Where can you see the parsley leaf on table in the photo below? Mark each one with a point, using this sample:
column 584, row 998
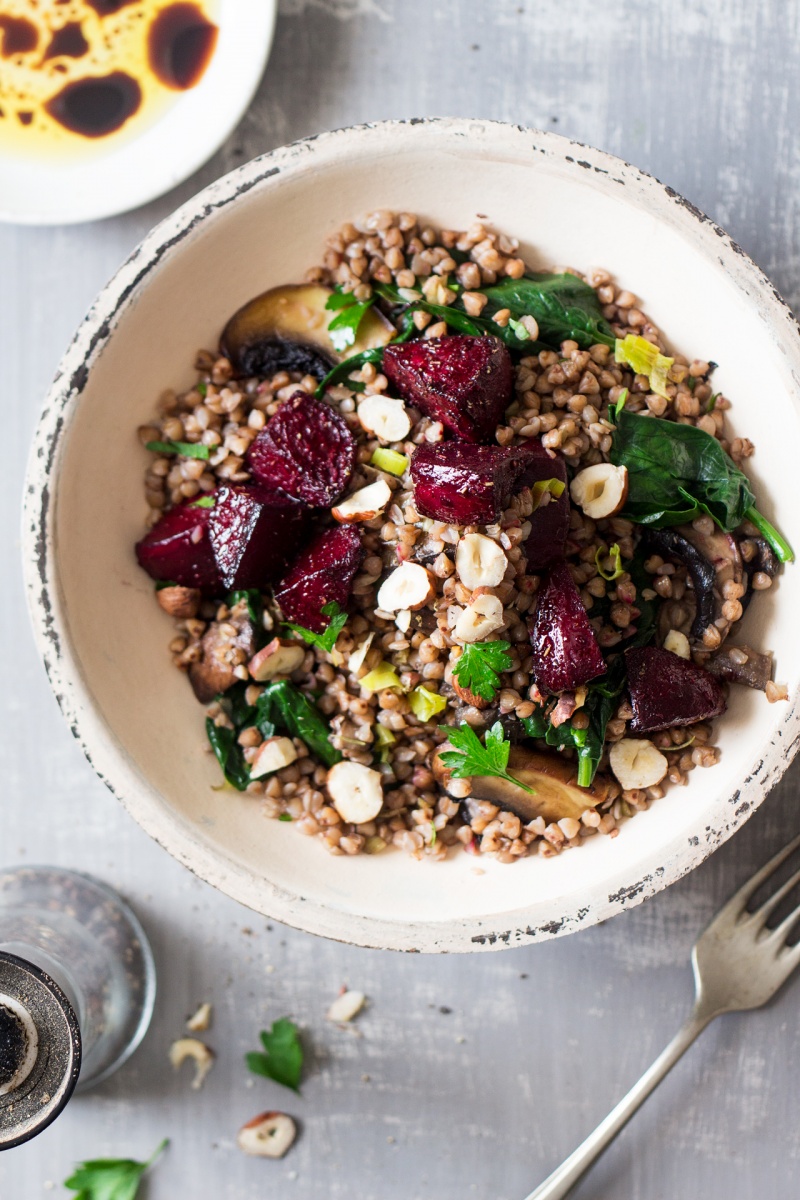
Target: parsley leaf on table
column 110, row 1178
column 282, row 1059
column 472, row 757
column 327, row 640
column 185, row 449
column 478, row 669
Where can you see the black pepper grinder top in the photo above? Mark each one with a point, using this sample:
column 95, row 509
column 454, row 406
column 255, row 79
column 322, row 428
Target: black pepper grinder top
column 40, row 1050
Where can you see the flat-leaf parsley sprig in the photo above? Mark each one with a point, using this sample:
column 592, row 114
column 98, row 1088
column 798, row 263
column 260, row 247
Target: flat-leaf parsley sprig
column 470, row 756
column 282, row 1057
column 479, row 667
column 337, row 619
column 110, row 1178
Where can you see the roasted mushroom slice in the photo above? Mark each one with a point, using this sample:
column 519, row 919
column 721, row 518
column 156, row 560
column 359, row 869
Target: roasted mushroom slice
column 757, row 555
column 553, row 779
column 741, row 664
column 224, row 645
column 671, row 544
column 286, row 329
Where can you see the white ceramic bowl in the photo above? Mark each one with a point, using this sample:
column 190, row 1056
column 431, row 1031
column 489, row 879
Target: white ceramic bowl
column 103, row 639
column 138, row 166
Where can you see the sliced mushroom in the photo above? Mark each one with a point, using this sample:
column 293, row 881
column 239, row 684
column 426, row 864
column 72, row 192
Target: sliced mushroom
column 757, row 555
column 214, row 670
column 286, row 329
column 553, row 779
column 741, row 664
column 670, row 543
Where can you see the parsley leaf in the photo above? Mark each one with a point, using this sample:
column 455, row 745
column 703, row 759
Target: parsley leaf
column 282, row 1058
column 327, row 640
column 350, row 312
column 110, row 1178
column 478, row 669
column 203, row 502
column 185, row 449
column 471, row 757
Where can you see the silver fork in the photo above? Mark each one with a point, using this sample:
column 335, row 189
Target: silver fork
column 738, row 964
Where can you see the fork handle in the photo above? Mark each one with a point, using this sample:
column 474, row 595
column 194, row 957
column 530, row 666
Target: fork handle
column 563, row 1180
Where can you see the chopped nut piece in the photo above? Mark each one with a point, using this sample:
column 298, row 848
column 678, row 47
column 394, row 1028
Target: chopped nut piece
column 637, row 763
column 356, row 791
column 346, row 1006
column 199, row 1052
column 480, row 562
column 387, row 419
column 279, row 657
column 600, row 490
column 480, row 618
column 408, row 586
column 272, row 755
column 268, row 1135
column 677, row 643
column 200, row 1021
column 363, row 505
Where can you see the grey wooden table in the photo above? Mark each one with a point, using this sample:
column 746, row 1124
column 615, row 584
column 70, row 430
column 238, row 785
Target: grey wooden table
column 468, row 1076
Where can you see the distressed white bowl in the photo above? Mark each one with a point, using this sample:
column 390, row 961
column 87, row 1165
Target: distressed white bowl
column 103, row 639
column 136, row 167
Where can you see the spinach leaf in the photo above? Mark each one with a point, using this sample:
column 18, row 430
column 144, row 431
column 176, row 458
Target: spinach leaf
column 185, row 449
column 229, row 754
column 282, row 705
column 677, row 472
column 600, row 704
column 564, row 306
column 255, row 603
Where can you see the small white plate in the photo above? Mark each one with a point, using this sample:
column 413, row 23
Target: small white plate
column 136, row 170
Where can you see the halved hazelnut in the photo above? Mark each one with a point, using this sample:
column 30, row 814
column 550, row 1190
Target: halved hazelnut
column 365, row 504
column 637, row 763
column 480, row 562
column 178, row 601
column 384, row 417
column 272, row 755
column 279, row 657
column 268, row 1135
column 408, row 586
column 356, row 791
column 481, row 617
column 600, row 490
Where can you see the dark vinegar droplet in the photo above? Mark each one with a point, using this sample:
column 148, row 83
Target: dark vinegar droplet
column 179, row 45
column 96, row 107
column 19, row 36
column 13, row 1045
column 67, row 42
column 25, row 118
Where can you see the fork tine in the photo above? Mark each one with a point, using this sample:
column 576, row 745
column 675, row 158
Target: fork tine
column 760, row 917
column 779, row 934
column 736, row 905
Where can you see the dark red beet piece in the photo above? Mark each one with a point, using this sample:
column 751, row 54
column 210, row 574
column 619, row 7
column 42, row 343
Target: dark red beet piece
column 666, row 690
column 179, row 549
column 550, row 523
column 565, row 649
column 322, row 573
column 306, row 450
column 464, row 382
column 253, row 533
column 469, row 485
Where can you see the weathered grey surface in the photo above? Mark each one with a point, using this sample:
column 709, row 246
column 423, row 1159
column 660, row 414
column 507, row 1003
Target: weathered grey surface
column 485, row 1071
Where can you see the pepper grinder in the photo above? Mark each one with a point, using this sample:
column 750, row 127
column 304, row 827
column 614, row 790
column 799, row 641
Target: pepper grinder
column 77, row 988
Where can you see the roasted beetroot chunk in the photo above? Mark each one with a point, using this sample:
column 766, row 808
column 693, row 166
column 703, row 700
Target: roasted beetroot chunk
column 178, row 549
column 322, row 573
column 306, row 450
column 550, row 522
column 470, row 485
column 565, row 649
column 253, row 533
column 666, row 690
column 464, row 382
